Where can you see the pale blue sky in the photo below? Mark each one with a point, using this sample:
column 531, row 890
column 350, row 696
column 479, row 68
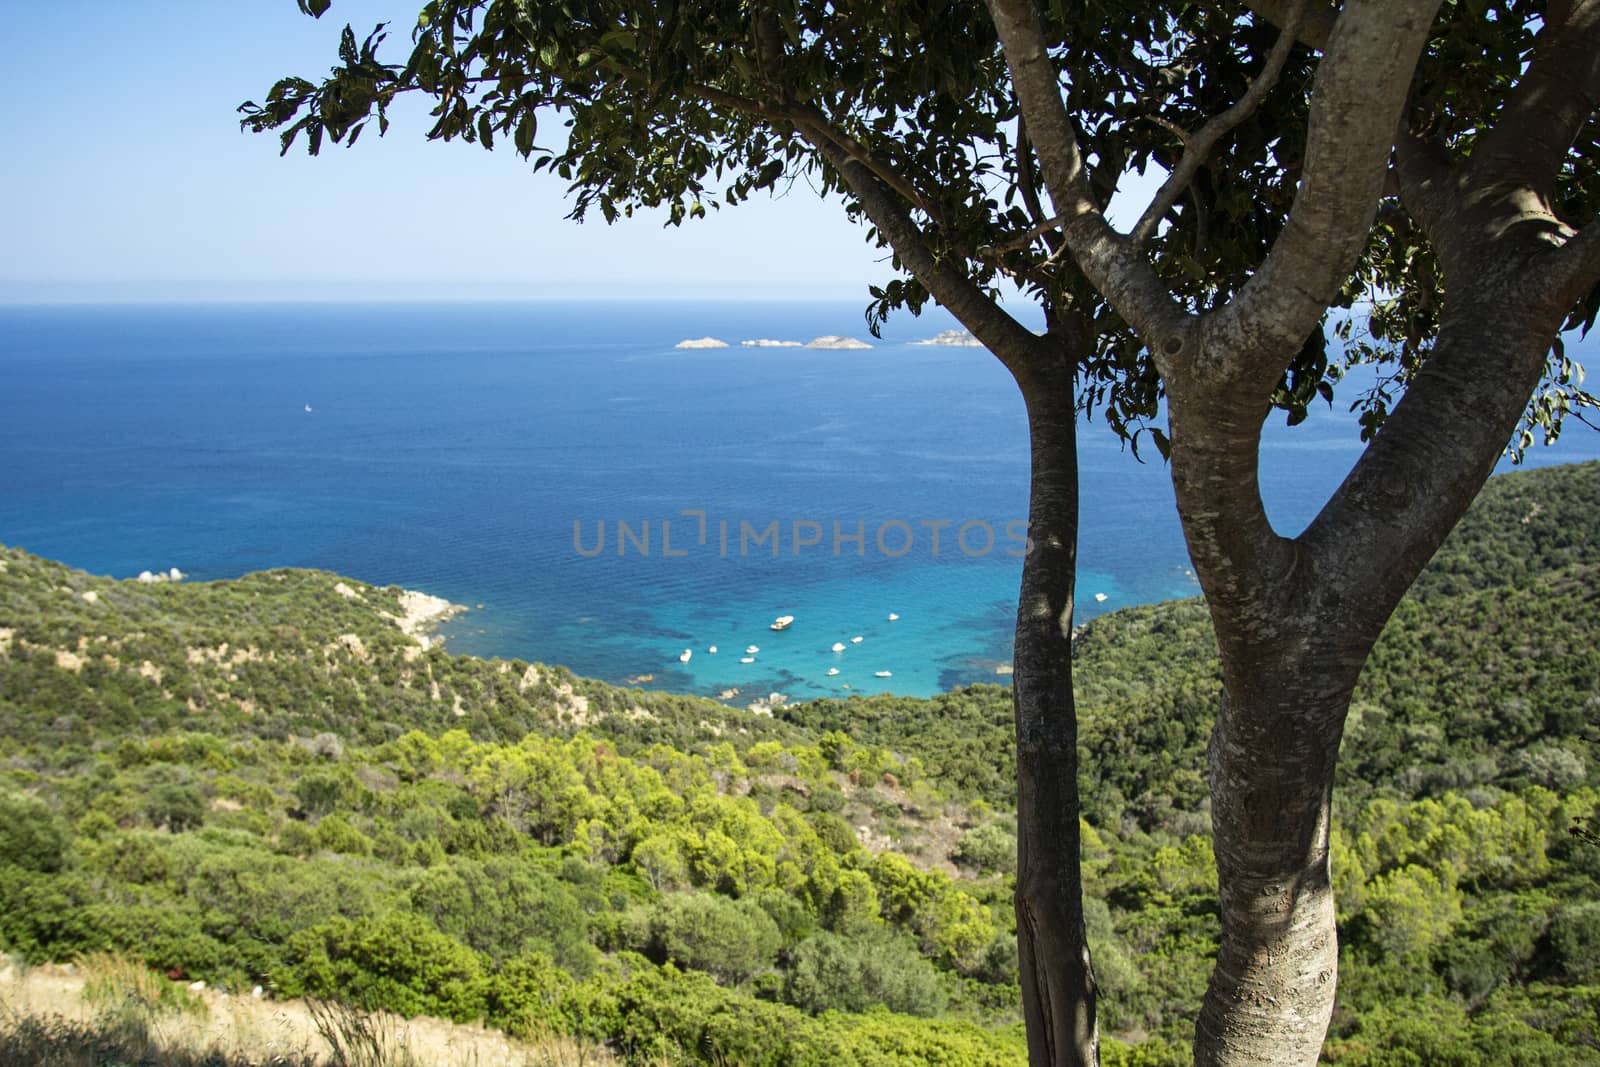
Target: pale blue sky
column 125, row 176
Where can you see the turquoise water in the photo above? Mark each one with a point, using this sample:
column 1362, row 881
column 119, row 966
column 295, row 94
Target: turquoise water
column 455, row 448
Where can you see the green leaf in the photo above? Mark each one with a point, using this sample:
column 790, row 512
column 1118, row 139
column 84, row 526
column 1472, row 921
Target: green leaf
column 1163, row 445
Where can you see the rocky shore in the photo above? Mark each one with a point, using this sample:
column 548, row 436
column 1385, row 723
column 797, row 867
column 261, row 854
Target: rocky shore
column 420, row 613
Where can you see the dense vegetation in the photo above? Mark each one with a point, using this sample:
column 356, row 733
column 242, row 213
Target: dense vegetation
column 265, row 781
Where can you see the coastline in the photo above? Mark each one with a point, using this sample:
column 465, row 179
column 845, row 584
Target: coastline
column 423, row 613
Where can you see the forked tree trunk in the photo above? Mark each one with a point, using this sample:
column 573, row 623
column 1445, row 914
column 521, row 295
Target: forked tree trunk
column 1058, row 987
column 1289, row 666
column 1296, row 621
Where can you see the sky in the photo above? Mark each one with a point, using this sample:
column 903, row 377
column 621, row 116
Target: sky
column 125, row 177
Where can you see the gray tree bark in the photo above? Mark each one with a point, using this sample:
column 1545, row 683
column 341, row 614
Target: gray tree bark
column 1287, row 673
column 1294, row 634
column 1296, row 618
column 1058, row 986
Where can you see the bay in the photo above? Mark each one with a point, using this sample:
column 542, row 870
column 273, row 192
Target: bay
column 480, row 451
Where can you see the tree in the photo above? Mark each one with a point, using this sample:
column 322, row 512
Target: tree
column 662, row 102
column 1484, row 153
column 1286, row 128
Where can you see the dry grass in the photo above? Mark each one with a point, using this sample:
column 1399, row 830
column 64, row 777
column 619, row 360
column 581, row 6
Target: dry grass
column 108, row 1012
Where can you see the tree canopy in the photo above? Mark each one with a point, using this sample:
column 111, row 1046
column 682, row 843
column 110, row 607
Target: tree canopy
column 904, row 110
column 908, row 108
column 1419, row 175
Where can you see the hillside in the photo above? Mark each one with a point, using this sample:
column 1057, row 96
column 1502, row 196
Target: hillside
column 267, row 781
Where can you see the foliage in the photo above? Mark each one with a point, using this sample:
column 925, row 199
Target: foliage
column 713, row 898
column 832, row 973
column 397, row 961
column 731, row 940
column 31, row 836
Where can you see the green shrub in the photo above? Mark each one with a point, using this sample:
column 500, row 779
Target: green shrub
column 832, row 973
column 320, row 791
column 504, row 907
column 1575, row 939
column 528, row 996
column 833, row 831
column 398, row 962
column 992, row 847
column 177, row 807
column 336, row 835
column 31, row 835
column 734, row 940
column 295, row 838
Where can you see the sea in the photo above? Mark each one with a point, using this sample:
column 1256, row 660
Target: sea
column 597, row 497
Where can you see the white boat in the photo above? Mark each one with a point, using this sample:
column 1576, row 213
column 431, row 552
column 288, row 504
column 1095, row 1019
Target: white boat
column 1100, row 598
column 882, row 674
column 856, row 640
column 712, row 650
column 838, row 646
column 893, row 617
column 684, row 656
column 748, row 659
column 832, row 671
column 783, row 622
column 308, row 409
column 752, row 650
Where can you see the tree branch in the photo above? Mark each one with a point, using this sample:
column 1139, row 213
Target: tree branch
column 1427, row 177
column 1198, row 146
column 1360, row 91
column 1435, row 450
column 1574, row 268
column 1028, row 183
column 872, row 180
column 881, row 193
column 1316, row 24
column 741, row 104
column 1549, row 106
column 1028, row 236
column 1202, row 229
column 1017, row 347
column 1107, row 258
column 809, row 117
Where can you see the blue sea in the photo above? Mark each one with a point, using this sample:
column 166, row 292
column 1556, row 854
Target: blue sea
column 596, row 496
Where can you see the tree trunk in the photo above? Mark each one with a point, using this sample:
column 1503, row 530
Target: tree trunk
column 1291, row 655
column 1272, row 761
column 1058, row 987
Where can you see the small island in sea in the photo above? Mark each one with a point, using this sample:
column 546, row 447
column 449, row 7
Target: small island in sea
column 831, row 341
column 952, row 339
